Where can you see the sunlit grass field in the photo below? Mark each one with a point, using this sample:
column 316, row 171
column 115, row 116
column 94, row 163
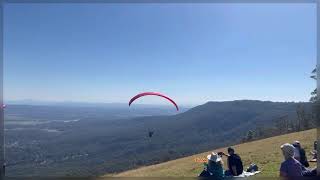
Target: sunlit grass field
column 265, row 153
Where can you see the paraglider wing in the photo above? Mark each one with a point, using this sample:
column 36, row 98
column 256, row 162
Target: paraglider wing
column 153, row 94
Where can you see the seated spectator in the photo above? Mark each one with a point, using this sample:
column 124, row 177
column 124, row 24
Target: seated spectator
column 296, row 152
column 234, row 163
column 214, row 168
column 314, row 152
column 290, row 167
column 300, row 154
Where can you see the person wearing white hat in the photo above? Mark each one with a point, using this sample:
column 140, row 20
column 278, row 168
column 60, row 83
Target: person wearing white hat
column 215, row 166
column 290, row 167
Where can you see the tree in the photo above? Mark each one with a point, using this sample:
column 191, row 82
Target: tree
column 282, row 124
column 314, row 92
column 250, row 135
column 303, row 120
column 307, row 123
column 314, row 99
column 260, row 131
column 300, row 114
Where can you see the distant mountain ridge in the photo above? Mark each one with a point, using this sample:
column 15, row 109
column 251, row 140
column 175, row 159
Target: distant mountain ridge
column 86, row 104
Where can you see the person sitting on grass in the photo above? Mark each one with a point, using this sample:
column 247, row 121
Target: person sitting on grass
column 291, row 167
column 314, row 152
column 235, row 166
column 214, row 168
column 300, row 154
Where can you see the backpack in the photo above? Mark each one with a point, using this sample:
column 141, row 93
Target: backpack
column 252, row 168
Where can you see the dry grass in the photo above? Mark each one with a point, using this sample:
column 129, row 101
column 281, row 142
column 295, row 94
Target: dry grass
column 265, row 153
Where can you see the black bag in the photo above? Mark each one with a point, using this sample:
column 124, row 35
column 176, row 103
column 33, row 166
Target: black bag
column 252, row 168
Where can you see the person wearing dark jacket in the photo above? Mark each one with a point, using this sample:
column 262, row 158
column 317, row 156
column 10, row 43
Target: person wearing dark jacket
column 234, row 163
column 301, row 154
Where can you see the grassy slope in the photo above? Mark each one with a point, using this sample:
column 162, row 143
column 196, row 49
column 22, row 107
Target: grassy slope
column 265, row 153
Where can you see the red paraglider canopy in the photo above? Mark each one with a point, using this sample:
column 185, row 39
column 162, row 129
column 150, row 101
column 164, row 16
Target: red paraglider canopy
column 154, row 94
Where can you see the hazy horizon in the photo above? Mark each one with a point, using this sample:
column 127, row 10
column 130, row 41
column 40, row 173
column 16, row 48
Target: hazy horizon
column 168, row 104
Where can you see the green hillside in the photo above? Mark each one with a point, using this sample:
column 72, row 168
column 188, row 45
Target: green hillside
column 265, row 153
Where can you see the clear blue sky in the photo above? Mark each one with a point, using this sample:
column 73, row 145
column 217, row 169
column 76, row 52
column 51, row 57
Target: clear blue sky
column 192, row 52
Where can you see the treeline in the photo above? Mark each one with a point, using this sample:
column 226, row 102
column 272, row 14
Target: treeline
column 305, row 119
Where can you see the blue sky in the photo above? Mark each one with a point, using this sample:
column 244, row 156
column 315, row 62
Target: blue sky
column 194, row 53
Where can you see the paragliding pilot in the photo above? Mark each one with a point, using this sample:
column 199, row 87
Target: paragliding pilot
column 150, row 134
